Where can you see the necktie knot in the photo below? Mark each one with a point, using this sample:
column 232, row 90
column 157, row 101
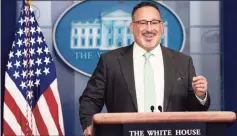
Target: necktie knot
column 147, row 55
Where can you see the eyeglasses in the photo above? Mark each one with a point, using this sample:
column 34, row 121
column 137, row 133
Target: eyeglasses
column 144, row 23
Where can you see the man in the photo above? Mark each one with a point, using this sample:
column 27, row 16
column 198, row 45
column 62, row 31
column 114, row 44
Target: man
column 144, row 75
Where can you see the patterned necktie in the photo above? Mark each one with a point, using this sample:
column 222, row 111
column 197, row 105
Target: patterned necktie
column 149, row 85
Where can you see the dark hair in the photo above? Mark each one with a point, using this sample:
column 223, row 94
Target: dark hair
column 144, row 4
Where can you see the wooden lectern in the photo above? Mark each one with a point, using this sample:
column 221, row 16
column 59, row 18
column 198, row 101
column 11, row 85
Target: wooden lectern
column 162, row 123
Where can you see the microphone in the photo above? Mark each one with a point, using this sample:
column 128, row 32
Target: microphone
column 152, row 108
column 160, row 108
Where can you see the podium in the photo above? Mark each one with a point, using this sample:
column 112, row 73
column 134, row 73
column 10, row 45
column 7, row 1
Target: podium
column 163, row 123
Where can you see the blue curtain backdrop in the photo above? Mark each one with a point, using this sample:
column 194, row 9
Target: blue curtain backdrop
column 8, row 25
column 229, row 56
column 229, row 50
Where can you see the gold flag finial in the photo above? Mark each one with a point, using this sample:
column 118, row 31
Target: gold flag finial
column 29, row 2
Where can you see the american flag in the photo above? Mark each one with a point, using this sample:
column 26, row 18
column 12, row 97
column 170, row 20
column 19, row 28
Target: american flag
column 31, row 99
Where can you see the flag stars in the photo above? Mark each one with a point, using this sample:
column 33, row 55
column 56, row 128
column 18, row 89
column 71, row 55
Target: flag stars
column 30, row 57
column 31, row 62
column 23, row 85
column 46, row 50
column 39, row 50
column 18, row 53
column 29, row 95
column 19, row 42
column 24, row 63
column 37, row 82
column 39, row 40
column 38, row 72
column 16, row 74
column 32, row 51
column 9, row 65
column 46, row 60
column 24, row 52
column 31, row 73
column 46, row 71
column 32, row 20
column 25, row 41
column 38, row 62
column 21, row 21
column 17, row 64
column 11, row 54
column 32, row 30
column 30, row 84
column 13, row 44
column 20, row 32
column 38, row 29
column 32, row 41
column 23, row 74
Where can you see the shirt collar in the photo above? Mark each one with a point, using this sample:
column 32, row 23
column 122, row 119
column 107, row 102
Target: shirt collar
column 140, row 51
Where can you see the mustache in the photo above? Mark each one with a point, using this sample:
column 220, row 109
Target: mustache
column 149, row 32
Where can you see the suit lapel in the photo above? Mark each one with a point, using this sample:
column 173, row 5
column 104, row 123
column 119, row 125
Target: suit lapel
column 169, row 75
column 126, row 64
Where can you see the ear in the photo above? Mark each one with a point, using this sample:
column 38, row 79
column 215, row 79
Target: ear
column 131, row 27
column 162, row 27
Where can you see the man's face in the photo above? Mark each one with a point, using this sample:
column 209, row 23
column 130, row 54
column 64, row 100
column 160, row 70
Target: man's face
column 147, row 35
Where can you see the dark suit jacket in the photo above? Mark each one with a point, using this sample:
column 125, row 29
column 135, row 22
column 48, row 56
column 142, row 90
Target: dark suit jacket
column 112, row 84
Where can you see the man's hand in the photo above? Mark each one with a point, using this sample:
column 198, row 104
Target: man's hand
column 199, row 85
column 88, row 131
